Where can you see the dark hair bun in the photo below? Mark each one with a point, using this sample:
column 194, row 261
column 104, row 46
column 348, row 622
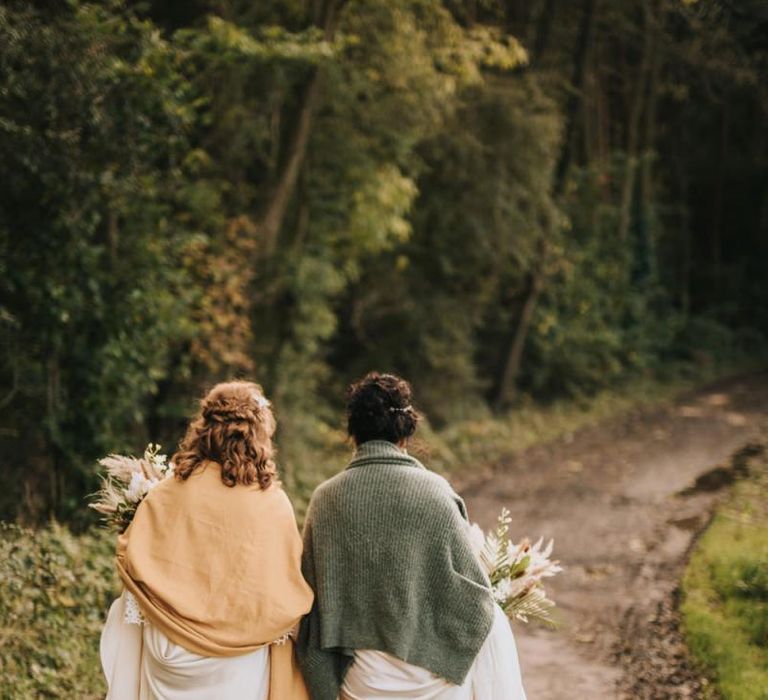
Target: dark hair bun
column 379, row 408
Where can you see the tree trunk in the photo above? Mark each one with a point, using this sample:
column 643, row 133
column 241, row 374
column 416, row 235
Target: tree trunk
column 633, row 125
column 508, row 383
column 717, row 213
column 506, row 388
column 687, row 247
column 302, row 219
column 275, row 211
column 543, row 31
column 647, row 222
column 273, row 218
column 603, row 120
column 589, row 117
column 575, row 97
column 517, row 17
column 649, row 146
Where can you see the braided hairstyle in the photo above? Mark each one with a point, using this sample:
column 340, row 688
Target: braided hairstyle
column 234, row 428
column 379, row 408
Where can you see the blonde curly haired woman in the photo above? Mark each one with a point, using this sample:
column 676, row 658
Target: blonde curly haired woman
column 211, row 569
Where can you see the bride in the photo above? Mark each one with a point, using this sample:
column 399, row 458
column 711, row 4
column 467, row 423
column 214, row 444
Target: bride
column 403, row 608
column 211, row 569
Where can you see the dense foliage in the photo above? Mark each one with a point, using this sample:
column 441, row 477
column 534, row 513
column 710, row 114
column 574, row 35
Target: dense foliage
column 493, row 198
column 56, row 589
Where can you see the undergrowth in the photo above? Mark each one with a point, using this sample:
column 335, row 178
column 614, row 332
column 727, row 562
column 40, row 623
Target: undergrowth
column 56, row 588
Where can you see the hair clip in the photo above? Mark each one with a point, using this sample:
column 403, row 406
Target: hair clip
column 261, row 401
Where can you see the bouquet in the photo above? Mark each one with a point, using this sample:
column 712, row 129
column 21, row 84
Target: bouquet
column 516, row 571
column 126, row 483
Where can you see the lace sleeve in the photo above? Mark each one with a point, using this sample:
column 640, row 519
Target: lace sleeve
column 132, row 614
column 290, row 634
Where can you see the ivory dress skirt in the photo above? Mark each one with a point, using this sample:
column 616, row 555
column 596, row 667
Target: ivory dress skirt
column 141, row 663
column 495, row 674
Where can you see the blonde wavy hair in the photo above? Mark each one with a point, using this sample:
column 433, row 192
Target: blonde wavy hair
column 234, row 428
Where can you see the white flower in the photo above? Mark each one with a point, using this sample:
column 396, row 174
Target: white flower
column 476, row 538
column 516, row 570
column 502, row 590
column 127, row 481
column 138, row 487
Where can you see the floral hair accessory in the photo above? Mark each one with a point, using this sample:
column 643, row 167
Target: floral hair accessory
column 261, row 401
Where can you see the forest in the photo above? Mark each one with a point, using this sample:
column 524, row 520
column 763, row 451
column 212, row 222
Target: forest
column 507, row 202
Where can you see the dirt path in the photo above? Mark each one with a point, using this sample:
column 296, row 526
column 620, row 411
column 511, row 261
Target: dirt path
column 609, row 497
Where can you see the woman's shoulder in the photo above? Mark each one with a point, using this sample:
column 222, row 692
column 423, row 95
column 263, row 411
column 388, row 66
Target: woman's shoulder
column 421, row 484
column 435, row 490
column 205, row 484
column 276, row 492
column 272, row 497
column 328, row 487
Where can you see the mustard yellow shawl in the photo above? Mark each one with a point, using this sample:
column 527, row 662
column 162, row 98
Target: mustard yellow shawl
column 218, row 570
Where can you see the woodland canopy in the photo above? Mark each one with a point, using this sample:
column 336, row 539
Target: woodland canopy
column 497, row 199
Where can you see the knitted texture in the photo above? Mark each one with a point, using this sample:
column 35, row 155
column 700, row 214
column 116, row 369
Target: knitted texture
column 387, row 551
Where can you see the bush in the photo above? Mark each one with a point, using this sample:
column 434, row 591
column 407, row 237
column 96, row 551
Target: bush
column 55, row 593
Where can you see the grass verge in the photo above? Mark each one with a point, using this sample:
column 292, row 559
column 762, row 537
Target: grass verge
column 725, row 593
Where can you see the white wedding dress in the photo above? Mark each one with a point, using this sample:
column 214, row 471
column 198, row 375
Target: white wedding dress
column 495, row 674
column 141, row 663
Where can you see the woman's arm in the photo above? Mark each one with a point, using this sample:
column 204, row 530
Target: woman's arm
column 323, row 669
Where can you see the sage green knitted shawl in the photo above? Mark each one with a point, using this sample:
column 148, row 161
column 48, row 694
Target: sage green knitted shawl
column 387, row 552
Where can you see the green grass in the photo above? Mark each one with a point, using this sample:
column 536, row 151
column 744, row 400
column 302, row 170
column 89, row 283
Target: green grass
column 725, row 593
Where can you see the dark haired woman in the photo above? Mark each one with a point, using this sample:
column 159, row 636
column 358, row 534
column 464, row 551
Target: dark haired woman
column 211, row 569
column 403, row 608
